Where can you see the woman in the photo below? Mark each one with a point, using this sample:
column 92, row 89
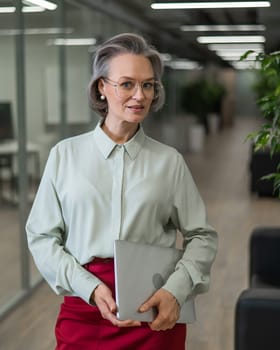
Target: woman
column 117, row 183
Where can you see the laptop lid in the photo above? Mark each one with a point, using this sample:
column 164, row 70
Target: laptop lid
column 140, row 270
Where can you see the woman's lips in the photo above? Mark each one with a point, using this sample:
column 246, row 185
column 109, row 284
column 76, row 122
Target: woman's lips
column 136, row 108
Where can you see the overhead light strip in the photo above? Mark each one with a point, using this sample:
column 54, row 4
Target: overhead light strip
column 238, row 46
column 236, row 54
column 208, row 5
column 35, row 31
column 36, row 6
column 236, row 58
column 48, row 5
column 231, row 39
column 245, row 65
column 25, row 9
column 183, row 65
column 73, row 42
column 29, row 9
column 7, row 9
column 222, row 28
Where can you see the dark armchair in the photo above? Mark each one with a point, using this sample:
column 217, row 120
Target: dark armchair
column 257, row 313
column 262, row 164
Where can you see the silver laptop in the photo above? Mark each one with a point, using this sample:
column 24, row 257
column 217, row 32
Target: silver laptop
column 140, row 270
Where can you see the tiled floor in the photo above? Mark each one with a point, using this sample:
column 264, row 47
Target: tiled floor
column 221, row 173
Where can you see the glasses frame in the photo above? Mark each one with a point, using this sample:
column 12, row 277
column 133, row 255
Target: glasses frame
column 138, row 84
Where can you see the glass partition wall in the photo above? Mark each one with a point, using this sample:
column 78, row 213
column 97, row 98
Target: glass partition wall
column 45, row 67
column 41, row 98
column 9, row 221
column 23, row 57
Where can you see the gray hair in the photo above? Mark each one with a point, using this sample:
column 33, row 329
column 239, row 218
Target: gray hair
column 120, row 44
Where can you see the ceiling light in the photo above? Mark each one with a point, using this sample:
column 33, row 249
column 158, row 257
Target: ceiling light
column 206, row 28
column 238, row 46
column 29, row 9
column 39, row 31
column 35, row 31
column 12, row 9
column 209, row 5
column 231, row 39
column 235, row 58
column 37, row 6
column 48, row 5
column 235, row 54
column 182, row 64
column 7, row 9
column 246, row 65
column 73, row 42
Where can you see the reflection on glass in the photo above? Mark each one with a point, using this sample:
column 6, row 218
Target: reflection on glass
column 9, row 222
column 42, row 96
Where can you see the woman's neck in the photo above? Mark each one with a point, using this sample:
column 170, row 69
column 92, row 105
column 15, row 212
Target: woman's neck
column 120, row 133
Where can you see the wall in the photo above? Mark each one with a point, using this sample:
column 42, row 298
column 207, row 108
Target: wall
column 245, row 98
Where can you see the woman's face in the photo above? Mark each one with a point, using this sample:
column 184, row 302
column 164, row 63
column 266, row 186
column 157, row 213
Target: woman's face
column 127, row 100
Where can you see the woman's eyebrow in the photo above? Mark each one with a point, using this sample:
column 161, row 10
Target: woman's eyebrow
column 125, row 77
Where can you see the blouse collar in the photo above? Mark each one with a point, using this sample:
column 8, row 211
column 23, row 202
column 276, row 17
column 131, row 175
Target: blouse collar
column 106, row 145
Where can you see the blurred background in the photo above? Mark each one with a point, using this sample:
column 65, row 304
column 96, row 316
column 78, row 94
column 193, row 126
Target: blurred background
column 46, row 50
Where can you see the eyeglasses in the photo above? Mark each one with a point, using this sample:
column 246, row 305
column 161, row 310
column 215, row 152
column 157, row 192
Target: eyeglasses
column 128, row 87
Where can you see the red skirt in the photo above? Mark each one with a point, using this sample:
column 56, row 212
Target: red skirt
column 80, row 326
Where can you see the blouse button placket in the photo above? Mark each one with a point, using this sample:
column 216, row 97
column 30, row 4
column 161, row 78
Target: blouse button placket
column 117, row 191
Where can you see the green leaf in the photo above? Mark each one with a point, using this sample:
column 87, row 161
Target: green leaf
column 268, row 177
column 246, row 54
column 251, row 136
column 267, row 89
column 262, row 139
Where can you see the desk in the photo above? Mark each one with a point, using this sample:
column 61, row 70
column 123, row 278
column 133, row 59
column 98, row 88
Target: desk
column 8, row 154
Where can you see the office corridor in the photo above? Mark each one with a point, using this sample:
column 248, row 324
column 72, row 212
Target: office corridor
column 221, row 173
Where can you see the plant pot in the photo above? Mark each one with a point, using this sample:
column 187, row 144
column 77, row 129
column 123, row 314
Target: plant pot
column 196, row 138
column 213, row 120
column 175, row 133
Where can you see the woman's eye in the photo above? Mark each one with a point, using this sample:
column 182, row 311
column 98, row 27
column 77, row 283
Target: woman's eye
column 127, row 85
column 148, row 85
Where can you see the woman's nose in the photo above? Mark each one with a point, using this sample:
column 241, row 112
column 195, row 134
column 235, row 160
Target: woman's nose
column 138, row 92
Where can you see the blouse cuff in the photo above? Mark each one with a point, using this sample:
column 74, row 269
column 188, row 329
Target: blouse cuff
column 180, row 285
column 84, row 285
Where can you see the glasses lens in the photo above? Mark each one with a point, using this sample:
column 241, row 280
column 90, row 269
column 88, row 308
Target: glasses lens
column 126, row 88
column 129, row 87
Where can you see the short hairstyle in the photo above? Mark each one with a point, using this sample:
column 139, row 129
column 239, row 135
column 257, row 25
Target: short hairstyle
column 117, row 45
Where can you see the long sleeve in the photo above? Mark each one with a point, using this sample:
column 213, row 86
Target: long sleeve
column 192, row 274
column 46, row 233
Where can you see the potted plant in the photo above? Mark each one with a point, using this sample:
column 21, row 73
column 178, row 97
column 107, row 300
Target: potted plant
column 192, row 98
column 216, row 93
column 201, row 98
column 266, row 140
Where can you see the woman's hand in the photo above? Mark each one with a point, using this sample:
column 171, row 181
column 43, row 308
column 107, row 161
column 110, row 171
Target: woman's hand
column 102, row 297
column 168, row 310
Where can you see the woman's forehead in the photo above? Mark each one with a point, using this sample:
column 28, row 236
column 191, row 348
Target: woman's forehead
column 131, row 65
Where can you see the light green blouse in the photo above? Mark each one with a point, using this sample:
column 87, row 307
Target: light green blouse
column 94, row 191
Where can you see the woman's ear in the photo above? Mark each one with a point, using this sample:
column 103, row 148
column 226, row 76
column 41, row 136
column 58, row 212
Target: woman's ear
column 101, row 86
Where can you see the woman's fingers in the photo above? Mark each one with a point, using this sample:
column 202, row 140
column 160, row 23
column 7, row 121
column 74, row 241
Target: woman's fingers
column 106, row 304
column 168, row 310
column 126, row 323
column 104, row 300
